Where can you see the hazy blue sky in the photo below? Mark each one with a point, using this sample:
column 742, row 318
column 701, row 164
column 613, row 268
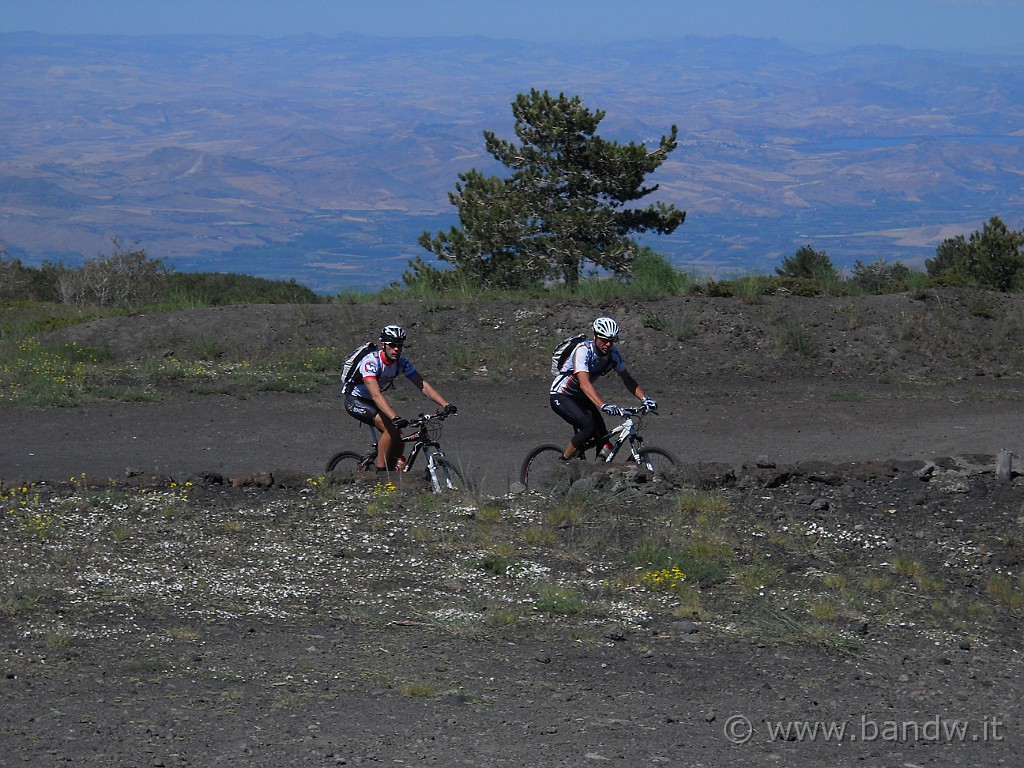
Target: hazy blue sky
column 982, row 26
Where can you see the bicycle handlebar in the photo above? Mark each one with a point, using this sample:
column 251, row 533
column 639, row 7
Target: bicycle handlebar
column 423, row 418
column 638, row 410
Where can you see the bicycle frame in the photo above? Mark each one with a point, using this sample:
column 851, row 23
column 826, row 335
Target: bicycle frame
column 625, row 432
column 421, row 442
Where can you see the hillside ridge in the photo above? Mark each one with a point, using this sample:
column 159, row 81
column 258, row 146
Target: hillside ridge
column 937, row 334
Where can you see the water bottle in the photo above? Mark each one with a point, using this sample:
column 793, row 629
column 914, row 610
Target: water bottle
column 605, row 451
column 400, row 464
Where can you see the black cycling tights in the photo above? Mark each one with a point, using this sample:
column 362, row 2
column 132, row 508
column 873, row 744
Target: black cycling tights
column 584, row 416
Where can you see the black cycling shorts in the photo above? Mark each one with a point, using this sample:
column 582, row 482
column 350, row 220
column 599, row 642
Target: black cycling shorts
column 361, row 409
column 583, row 415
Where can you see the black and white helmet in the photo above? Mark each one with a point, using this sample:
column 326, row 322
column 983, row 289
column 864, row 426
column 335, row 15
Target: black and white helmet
column 393, row 334
column 607, row 328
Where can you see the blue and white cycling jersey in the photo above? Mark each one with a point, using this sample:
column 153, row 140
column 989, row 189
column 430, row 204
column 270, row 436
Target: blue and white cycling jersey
column 585, row 358
column 373, row 366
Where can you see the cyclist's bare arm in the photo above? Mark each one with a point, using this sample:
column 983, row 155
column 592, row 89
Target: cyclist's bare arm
column 631, row 385
column 424, row 386
column 587, row 388
column 387, row 412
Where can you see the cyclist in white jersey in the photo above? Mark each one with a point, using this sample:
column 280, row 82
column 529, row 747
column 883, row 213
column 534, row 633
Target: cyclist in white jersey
column 573, row 395
column 365, row 400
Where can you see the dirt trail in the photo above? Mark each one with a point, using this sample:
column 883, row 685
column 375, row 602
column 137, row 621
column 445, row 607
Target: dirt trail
column 185, row 435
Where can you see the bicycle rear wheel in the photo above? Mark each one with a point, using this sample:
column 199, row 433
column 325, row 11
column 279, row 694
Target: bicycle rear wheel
column 347, row 462
column 657, row 460
column 544, row 470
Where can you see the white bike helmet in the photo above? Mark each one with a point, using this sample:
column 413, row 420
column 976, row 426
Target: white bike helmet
column 393, row 334
column 606, row 327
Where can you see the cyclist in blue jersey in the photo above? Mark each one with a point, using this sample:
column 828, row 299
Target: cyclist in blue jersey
column 573, row 394
column 365, row 400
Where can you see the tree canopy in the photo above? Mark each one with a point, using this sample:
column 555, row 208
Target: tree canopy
column 993, row 258
column 569, row 200
column 809, row 264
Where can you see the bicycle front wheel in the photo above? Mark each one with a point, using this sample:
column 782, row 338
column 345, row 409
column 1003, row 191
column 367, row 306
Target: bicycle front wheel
column 447, row 477
column 657, row 460
column 346, row 462
column 544, row 470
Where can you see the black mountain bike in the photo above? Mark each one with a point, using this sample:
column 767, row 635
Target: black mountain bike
column 544, row 469
column 443, row 475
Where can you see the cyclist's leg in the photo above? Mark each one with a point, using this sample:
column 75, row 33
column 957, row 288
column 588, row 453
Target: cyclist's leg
column 584, row 418
column 390, row 447
column 366, row 412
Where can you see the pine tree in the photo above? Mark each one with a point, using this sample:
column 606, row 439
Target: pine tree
column 568, row 201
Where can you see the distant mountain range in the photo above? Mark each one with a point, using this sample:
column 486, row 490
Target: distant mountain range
column 323, row 159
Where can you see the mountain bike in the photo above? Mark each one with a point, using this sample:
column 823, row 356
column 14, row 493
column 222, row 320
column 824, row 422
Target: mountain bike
column 544, row 468
column 443, row 475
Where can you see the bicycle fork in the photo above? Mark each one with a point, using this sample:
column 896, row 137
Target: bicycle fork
column 439, row 478
column 636, row 446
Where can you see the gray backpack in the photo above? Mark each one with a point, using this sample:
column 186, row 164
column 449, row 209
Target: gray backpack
column 348, row 368
column 563, row 350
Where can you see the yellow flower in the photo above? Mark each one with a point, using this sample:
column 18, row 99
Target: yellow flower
column 664, row 578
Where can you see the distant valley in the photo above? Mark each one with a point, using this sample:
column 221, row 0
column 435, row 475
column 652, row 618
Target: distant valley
column 322, row 159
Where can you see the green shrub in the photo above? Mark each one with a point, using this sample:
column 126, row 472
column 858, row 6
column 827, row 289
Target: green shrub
column 880, row 277
column 653, row 275
column 552, row 598
column 654, row 321
column 992, row 258
column 983, row 309
column 128, row 278
column 809, row 264
column 750, row 288
column 793, row 337
column 13, row 278
column 797, row 286
column 702, row 560
column 211, row 289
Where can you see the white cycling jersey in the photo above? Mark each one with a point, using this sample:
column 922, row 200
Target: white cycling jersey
column 585, row 358
column 374, row 366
